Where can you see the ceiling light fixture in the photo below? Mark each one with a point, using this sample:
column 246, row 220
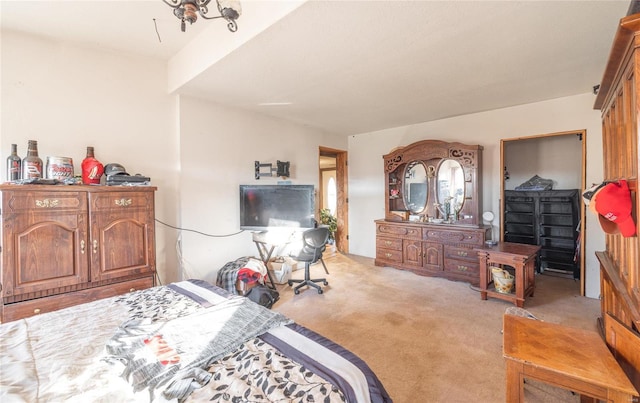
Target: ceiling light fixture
column 186, row 10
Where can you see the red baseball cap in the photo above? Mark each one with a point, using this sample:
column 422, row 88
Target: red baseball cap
column 613, row 204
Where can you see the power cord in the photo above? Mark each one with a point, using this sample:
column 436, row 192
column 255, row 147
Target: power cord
column 198, row 232
column 473, row 288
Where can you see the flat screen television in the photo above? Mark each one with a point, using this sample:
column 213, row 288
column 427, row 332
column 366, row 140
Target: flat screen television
column 277, row 206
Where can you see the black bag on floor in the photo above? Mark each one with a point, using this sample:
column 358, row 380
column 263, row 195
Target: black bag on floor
column 263, row 295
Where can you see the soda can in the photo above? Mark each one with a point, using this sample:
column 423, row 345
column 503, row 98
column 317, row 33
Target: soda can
column 59, row 168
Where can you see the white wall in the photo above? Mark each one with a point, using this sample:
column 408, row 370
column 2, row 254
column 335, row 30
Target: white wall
column 68, row 98
column 558, row 158
column 219, row 147
column 366, row 177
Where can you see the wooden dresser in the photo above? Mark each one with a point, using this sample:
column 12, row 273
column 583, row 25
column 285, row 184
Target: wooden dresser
column 430, row 249
column 432, row 210
column 65, row 245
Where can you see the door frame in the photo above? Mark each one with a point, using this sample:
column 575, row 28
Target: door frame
column 342, row 198
column 583, row 136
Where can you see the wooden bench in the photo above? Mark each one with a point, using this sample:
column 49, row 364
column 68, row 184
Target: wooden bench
column 574, row 359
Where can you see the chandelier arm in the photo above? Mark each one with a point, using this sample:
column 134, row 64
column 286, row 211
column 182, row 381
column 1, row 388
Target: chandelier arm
column 231, row 24
column 203, row 3
column 173, row 3
column 203, row 13
column 210, row 18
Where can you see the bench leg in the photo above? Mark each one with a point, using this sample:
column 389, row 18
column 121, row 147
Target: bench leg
column 515, row 382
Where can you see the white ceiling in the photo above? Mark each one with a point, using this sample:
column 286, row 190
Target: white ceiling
column 351, row 67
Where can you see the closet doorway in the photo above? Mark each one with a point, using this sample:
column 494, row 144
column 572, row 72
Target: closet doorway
column 560, row 157
column 332, row 194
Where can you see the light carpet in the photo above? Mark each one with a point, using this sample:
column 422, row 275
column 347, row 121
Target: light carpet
column 428, row 339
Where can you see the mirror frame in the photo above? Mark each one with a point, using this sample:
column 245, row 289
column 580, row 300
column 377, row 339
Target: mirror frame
column 407, row 188
column 430, row 153
column 441, row 205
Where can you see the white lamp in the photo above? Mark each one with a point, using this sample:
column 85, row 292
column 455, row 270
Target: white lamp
column 488, row 217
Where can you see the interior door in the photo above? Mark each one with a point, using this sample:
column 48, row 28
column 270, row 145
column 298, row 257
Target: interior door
column 342, row 207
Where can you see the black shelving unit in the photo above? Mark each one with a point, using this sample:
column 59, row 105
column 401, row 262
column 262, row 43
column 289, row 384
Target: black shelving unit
column 547, row 218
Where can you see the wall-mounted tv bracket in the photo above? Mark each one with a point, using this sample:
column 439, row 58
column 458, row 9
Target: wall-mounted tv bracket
column 281, row 169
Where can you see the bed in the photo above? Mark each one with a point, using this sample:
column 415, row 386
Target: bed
column 187, row 341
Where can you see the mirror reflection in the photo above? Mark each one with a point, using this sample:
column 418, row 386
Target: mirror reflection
column 415, row 187
column 450, row 188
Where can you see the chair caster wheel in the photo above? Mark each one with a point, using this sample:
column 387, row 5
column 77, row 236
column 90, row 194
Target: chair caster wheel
column 290, row 283
column 326, row 283
column 296, row 292
column 319, row 291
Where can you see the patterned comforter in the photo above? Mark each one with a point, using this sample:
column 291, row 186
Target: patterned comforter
column 188, row 341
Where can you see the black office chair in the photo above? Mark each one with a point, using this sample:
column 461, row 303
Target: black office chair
column 314, row 243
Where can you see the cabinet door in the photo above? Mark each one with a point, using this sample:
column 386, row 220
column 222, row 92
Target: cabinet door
column 433, row 256
column 122, row 234
column 43, row 240
column 412, row 253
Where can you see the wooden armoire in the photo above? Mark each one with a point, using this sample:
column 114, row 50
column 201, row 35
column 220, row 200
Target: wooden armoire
column 619, row 101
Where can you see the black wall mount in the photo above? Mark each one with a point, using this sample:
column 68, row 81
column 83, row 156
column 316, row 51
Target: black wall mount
column 267, row 169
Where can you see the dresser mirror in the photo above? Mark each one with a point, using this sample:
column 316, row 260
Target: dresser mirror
column 415, row 187
column 434, row 181
column 450, row 185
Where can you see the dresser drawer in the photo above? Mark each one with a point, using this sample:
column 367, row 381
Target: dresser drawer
column 463, row 267
column 453, row 237
column 389, row 243
column 36, row 201
column 453, row 252
column 389, row 255
column 19, row 310
column 121, row 200
column 404, row 231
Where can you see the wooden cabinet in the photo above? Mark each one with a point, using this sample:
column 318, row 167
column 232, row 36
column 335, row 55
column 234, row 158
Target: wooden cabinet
column 430, row 249
column 549, row 219
column 64, row 245
column 618, row 100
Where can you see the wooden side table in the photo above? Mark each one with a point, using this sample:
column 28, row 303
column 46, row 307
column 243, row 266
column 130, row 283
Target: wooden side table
column 574, row 359
column 522, row 257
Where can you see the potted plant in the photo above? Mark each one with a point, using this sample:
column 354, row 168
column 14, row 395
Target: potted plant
column 326, row 218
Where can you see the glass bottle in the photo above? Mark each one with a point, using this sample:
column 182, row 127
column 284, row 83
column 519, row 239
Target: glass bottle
column 32, row 164
column 92, row 169
column 14, row 165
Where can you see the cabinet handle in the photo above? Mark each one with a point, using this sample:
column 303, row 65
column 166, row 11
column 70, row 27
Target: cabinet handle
column 82, row 244
column 132, row 289
column 463, row 268
column 95, row 246
column 462, row 253
column 36, row 311
column 388, row 243
column 388, row 255
column 122, row 202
